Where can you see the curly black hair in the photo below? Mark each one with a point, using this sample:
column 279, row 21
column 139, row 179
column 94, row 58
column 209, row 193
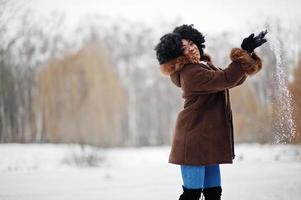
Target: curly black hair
column 169, row 47
column 190, row 33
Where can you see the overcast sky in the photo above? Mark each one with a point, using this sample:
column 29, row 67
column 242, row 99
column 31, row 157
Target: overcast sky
column 209, row 16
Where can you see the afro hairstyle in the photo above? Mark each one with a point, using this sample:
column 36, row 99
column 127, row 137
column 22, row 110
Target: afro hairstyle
column 169, row 47
column 190, row 33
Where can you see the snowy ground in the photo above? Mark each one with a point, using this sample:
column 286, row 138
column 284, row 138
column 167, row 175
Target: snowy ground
column 63, row 172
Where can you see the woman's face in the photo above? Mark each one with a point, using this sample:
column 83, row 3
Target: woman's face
column 190, row 49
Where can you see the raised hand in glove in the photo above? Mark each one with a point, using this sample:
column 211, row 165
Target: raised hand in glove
column 251, row 42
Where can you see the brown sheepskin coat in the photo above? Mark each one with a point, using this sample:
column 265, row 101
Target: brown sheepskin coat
column 203, row 133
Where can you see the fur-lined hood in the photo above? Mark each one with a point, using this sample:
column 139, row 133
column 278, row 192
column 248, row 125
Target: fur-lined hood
column 173, row 67
column 178, row 63
column 251, row 62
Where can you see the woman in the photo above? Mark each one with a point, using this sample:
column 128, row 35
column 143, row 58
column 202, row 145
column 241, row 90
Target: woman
column 203, row 133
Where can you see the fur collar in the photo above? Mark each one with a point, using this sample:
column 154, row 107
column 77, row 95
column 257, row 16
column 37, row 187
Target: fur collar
column 178, row 63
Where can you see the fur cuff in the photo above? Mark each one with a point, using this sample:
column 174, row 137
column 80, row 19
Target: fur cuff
column 250, row 62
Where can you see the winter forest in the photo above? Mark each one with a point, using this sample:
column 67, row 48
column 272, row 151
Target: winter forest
column 100, row 84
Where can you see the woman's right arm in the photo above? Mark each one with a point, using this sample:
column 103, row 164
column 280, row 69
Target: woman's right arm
column 199, row 80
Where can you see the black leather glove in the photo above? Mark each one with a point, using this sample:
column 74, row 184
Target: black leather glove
column 251, row 42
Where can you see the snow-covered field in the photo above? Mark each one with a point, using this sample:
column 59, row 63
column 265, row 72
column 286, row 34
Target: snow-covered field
column 63, row 172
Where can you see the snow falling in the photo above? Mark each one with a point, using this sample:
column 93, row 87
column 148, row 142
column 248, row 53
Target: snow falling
column 283, row 97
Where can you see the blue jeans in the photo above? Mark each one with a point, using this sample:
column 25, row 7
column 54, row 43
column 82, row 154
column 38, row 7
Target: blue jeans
column 196, row 177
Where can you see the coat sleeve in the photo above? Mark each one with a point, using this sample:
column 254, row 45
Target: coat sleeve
column 199, row 80
column 241, row 81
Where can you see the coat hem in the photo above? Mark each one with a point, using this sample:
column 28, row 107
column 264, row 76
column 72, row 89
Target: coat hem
column 200, row 163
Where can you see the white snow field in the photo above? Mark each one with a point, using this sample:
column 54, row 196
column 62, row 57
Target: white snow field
column 65, row 172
